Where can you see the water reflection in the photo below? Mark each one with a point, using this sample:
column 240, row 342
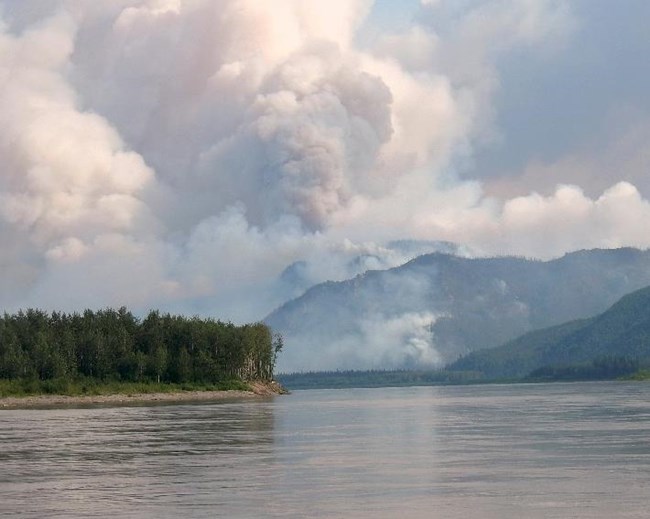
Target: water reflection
column 136, row 461
column 566, row 450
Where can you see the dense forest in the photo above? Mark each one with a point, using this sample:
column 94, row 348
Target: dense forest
column 115, row 345
column 601, row 368
column 481, row 303
column 612, row 345
column 375, row 378
column 617, row 340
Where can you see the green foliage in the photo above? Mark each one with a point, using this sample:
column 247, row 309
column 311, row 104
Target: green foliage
column 602, row 368
column 374, row 378
column 92, row 386
column 610, row 345
column 77, row 353
column 642, row 375
column 519, row 357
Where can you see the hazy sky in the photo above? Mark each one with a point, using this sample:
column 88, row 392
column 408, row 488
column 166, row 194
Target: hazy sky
column 182, row 153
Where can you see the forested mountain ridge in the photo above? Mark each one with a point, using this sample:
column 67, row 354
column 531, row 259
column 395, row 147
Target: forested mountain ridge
column 438, row 307
column 623, row 331
column 115, row 345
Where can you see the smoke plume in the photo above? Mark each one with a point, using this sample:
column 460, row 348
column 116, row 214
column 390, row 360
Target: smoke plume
column 184, row 154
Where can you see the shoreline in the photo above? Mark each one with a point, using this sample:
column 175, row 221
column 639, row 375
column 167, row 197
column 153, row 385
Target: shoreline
column 258, row 390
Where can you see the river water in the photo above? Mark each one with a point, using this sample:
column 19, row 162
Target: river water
column 498, row 451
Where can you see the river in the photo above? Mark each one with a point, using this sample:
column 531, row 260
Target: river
column 498, row 451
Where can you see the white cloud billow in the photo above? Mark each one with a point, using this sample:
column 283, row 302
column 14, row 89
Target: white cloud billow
column 183, row 153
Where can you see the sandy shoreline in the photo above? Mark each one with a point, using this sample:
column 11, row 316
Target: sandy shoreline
column 259, row 389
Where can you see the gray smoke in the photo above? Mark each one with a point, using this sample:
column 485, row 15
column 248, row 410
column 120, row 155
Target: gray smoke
column 183, row 153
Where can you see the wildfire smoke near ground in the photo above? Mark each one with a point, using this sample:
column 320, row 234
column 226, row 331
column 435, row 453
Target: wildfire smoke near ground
column 220, row 157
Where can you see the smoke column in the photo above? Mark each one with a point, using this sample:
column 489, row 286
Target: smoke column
column 183, row 153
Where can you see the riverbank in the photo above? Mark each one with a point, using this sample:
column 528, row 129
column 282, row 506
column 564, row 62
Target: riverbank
column 254, row 390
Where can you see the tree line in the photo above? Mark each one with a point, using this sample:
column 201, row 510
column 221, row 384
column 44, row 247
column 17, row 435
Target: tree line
column 116, row 345
column 376, row 378
column 607, row 367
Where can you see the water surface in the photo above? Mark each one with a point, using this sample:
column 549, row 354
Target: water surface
column 511, row 451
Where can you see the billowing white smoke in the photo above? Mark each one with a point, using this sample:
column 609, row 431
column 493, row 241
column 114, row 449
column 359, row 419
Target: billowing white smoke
column 380, row 342
column 182, row 153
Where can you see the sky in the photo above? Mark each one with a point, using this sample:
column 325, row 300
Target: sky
column 188, row 155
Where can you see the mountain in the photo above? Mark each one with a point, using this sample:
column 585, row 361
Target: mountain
column 303, row 274
column 622, row 331
column 438, row 307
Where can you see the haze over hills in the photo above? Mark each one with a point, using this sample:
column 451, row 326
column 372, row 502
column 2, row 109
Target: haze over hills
column 304, row 274
column 182, row 154
column 438, row 307
column 622, row 331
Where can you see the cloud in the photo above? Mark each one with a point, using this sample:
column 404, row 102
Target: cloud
column 67, row 176
column 623, row 155
column 184, row 153
column 547, row 226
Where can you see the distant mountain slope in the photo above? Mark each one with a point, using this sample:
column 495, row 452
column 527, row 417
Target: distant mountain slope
column 439, row 306
column 623, row 330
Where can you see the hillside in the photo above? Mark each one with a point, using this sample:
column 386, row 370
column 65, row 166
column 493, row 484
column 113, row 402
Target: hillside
column 438, row 307
column 621, row 331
